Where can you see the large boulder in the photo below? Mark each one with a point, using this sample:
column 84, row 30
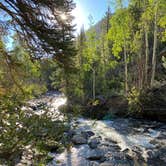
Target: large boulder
column 79, row 139
column 95, row 154
column 153, row 102
column 118, row 105
column 87, row 134
column 93, row 142
column 100, row 107
column 96, row 109
column 107, row 164
column 94, row 163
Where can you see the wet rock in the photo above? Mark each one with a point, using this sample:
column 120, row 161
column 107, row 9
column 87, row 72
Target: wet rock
column 116, row 163
column 162, row 154
column 141, row 130
column 71, row 133
column 152, row 154
column 136, row 149
column 119, row 156
column 104, row 158
column 87, row 134
column 93, row 143
column 95, row 154
column 110, row 140
column 106, row 164
column 79, row 139
column 94, row 163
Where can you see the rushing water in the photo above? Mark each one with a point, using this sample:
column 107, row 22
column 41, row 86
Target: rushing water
column 144, row 142
column 139, row 139
column 123, row 132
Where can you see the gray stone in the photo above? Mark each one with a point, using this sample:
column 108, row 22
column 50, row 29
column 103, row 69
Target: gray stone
column 79, row 139
column 87, row 134
column 71, row 133
column 106, row 164
column 115, row 163
column 93, row 143
column 95, row 154
column 94, row 163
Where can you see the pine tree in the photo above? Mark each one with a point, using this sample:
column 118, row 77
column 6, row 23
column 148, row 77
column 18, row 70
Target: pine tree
column 46, row 26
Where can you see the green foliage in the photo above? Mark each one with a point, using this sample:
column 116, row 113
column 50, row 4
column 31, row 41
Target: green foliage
column 20, row 81
column 164, row 61
column 20, row 128
column 95, row 102
column 43, row 34
column 133, row 101
column 23, row 77
column 162, row 23
column 119, row 32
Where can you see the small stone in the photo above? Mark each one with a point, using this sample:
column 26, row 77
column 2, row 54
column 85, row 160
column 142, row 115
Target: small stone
column 106, row 164
column 79, row 139
column 93, row 143
column 94, row 163
column 95, row 154
column 71, row 133
column 103, row 159
column 87, row 134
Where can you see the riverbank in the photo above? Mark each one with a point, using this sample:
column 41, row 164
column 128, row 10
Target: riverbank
column 126, row 142
column 119, row 141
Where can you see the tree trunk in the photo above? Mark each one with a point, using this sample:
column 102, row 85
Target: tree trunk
column 94, row 85
column 154, row 50
column 103, row 66
column 126, row 71
column 140, row 71
column 146, row 57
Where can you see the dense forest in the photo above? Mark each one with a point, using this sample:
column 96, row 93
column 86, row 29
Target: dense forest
column 116, row 68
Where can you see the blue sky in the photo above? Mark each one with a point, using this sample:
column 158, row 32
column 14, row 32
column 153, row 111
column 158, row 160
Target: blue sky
column 96, row 8
column 84, row 8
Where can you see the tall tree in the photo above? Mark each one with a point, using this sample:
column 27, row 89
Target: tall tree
column 45, row 26
column 158, row 17
column 154, row 42
column 92, row 50
column 146, row 23
column 119, row 34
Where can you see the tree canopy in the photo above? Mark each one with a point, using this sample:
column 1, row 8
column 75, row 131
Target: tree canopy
column 45, row 26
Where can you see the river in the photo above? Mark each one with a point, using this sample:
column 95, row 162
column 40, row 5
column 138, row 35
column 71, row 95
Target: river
column 119, row 142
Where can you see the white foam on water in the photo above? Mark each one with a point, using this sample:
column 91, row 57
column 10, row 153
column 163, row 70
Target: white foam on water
column 106, row 129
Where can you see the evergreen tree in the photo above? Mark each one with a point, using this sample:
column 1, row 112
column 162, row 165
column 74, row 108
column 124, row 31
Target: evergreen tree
column 46, row 26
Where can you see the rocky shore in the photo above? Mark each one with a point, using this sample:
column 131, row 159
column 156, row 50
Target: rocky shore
column 121, row 142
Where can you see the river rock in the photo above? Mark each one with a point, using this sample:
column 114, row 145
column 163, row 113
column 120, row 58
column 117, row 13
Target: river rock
column 93, row 143
column 162, row 154
column 94, row 163
column 106, row 164
column 79, row 139
column 95, row 154
column 71, row 133
column 87, row 134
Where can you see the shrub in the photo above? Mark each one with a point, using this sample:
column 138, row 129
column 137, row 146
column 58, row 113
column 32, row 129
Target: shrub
column 134, row 101
column 19, row 128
